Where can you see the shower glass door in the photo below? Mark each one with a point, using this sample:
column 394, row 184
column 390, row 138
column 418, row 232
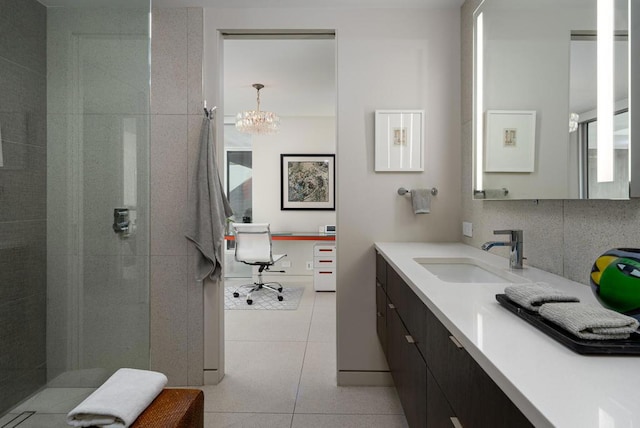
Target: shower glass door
column 97, row 193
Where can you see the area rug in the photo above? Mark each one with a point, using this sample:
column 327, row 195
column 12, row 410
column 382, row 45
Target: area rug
column 264, row 300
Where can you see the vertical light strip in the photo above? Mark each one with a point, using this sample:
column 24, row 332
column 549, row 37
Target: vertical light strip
column 605, row 89
column 389, row 142
column 409, row 136
column 401, row 149
column 629, row 89
column 479, row 108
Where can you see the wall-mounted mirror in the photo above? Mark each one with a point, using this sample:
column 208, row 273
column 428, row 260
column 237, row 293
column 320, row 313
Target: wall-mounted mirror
column 551, row 99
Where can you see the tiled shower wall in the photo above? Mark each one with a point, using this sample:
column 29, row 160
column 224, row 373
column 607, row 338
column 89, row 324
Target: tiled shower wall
column 561, row 236
column 176, row 118
column 23, row 209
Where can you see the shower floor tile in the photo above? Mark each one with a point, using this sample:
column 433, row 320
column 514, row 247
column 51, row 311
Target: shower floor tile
column 54, row 400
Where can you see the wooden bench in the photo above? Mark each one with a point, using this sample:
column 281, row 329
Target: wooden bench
column 174, row 408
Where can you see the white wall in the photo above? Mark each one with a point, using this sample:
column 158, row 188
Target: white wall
column 297, row 135
column 386, row 59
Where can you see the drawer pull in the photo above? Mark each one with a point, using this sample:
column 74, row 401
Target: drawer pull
column 325, row 272
column 379, row 314
column 392, row 306
column 325, row 261
column 323, row 250
column 409, row 339
column 455, row 422
column 455, row 342
column 378, row 284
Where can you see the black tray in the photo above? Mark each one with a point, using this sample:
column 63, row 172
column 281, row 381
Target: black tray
column 630, row 346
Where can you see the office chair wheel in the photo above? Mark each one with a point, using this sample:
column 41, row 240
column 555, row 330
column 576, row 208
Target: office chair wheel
column 280, row 297
column 235, row 294
column 249, row 301
column 280, row 289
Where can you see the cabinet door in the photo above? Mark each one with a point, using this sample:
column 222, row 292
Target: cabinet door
column 409, row 371
column 439, row 413
column 381, row 316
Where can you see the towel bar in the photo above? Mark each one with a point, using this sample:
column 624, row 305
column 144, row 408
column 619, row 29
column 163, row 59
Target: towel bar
column 403, row 191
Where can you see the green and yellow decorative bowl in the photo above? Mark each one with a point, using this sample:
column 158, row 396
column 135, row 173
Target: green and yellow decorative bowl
column 615, row 280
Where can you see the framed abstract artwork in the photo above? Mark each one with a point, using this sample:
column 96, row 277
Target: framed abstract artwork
column 307, row 182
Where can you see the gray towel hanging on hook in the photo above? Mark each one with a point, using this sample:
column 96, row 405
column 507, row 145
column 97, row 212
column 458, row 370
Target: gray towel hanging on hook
column 209, row 207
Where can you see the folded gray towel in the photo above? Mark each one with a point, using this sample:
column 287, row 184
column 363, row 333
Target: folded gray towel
column 421, row 201
column 589, row 322
column 532, row 296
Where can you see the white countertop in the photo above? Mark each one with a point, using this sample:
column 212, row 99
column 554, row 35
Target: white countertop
column 550, row 384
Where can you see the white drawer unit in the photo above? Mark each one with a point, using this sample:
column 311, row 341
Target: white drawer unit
column 324, row 267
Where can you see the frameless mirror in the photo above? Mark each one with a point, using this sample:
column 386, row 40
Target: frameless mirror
column 552, row 104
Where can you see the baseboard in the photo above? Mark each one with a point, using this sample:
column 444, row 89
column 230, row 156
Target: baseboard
column 212, row 377
column 373, row 378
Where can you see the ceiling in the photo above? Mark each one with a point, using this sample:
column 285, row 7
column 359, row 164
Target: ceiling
column 310, row 3
column 264, row 3
column 298, row 75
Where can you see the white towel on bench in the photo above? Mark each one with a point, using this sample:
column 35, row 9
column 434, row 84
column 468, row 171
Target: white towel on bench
column 120, row 400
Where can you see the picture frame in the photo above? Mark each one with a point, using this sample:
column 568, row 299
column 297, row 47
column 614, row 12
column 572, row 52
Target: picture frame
column 510, row 142
column 399, row 141
column 307, row 182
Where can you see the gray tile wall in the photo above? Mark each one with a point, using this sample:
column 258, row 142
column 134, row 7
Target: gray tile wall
column 23, row 207
column 562, row 237
column 176, row 116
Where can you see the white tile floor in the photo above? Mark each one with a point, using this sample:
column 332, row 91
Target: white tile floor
column 280, row 373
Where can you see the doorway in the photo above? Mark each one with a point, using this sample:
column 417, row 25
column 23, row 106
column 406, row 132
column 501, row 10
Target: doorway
column 299, row 78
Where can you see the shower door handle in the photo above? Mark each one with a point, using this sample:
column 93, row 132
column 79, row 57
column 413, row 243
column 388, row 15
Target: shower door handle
column 121, row 221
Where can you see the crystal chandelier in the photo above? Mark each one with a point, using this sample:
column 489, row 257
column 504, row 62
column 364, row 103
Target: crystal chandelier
column 256, row 121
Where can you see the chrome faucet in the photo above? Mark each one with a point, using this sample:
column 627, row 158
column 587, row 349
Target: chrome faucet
column 515, row 254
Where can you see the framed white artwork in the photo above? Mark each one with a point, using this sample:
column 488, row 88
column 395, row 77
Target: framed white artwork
column 399, row 140
column 510, row 143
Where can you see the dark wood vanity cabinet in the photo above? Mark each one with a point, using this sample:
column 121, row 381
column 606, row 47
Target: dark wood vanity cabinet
column 438, row 382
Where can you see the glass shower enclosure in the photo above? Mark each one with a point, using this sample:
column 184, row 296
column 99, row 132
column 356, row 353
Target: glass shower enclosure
column 74, row 192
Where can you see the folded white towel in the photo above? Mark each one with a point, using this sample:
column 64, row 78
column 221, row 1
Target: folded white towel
column 421, row 201
column 120, row 400
column 532, row 296
column 589, row 322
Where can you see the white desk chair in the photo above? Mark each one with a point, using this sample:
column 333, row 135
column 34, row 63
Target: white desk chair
column 253, row 247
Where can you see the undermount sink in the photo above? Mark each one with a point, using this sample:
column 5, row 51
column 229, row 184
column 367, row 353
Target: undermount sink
column 466, row 270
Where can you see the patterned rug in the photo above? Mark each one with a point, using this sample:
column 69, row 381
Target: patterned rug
column 264, row 300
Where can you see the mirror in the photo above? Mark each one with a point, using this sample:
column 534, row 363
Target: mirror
column 551, row 99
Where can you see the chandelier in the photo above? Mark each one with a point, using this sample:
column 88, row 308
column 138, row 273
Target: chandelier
column 256, row 121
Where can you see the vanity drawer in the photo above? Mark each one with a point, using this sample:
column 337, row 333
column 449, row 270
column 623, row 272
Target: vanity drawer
column 474, row 397
column 381, row 271
column 410, row 308
column 450, row 365
column 381, row 316
column 408, row 369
